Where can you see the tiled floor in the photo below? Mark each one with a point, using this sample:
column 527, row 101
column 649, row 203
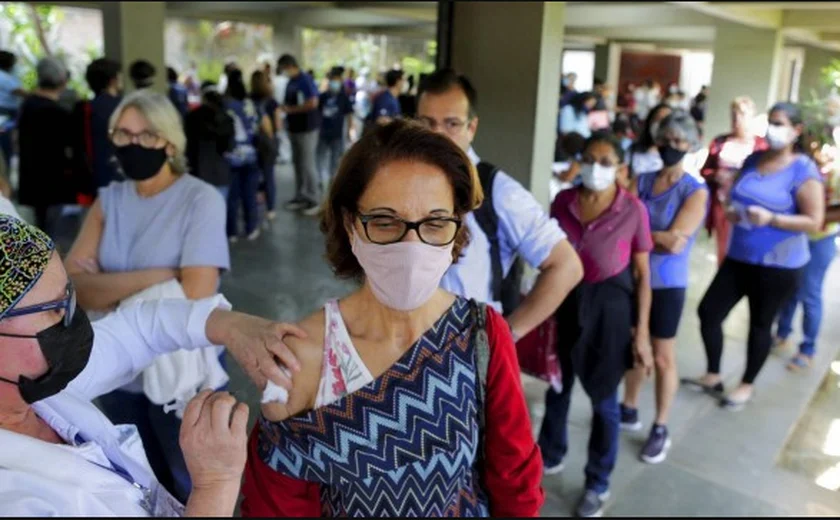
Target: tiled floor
column 721, row 464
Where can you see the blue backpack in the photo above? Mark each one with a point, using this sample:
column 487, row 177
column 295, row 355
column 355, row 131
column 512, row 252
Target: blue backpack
column 245, row 124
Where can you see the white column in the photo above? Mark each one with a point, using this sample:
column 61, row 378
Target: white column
column 287, row 39
column 746, row 63
column 512, row 53
column 133, row 31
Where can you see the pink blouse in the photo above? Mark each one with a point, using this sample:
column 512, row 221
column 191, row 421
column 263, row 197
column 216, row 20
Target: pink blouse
column 605, row 244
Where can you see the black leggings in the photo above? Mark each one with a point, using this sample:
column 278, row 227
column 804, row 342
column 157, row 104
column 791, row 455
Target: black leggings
column 766, row 288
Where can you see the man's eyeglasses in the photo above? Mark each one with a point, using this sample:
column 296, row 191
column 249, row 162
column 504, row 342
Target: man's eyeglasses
column 68, row 304
column 435, row 231
column 451, row 125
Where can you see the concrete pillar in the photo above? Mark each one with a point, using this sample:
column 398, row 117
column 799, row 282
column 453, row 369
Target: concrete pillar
column 517, row 106
column 287, row 39
column 602, row 62
column 133, row 31
column 747, row 63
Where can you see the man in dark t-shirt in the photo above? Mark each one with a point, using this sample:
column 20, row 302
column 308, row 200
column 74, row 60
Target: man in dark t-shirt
column 336, row 112
column 386, row 105
column 302, row 122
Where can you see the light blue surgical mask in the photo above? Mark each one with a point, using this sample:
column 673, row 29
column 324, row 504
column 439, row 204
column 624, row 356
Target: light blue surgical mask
column 335, row 85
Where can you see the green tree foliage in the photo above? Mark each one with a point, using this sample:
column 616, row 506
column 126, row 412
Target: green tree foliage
column 33, row 34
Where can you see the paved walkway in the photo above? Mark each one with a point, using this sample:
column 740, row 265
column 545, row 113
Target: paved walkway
column 721, row 463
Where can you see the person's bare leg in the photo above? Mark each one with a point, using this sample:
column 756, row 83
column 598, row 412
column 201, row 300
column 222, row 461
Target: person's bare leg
column 667, row 379
column 633, row 381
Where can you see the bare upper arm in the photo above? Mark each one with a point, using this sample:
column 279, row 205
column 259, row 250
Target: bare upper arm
column 810, row 198
column 200, row 281
column 310, row 353
column 86, row 246
column 690, row 216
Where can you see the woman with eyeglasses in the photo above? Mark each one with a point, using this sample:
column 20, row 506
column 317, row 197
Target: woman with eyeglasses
column 409, row 401
column 610, row 230
column 157, row 226
column 676, row 203
column 775, row 201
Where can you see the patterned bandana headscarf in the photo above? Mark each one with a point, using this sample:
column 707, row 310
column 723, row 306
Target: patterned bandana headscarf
column 25, row 252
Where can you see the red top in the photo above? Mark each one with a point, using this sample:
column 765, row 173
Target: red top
column 512, row 470
column 718, row 191
column 605, row 244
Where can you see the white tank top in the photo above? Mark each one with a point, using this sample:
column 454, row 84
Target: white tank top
column 343, row 371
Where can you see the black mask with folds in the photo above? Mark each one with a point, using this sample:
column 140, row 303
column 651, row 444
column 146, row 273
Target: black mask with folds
column 670, row 155
column 139, row 163
column 67, row 351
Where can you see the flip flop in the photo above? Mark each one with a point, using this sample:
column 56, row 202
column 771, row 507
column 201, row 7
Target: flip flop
column 698, row 386
column 799, row 362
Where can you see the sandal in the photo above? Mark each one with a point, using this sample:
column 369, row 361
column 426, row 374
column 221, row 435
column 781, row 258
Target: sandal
column 799, row 362
column 698, row 386
column 735, row 405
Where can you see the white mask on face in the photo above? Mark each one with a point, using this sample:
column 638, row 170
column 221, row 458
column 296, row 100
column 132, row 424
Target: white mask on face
column 597, row 177
column 779, row 136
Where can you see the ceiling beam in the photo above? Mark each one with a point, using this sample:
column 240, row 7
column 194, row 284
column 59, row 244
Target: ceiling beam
column 738, row 13
column 595, row 15
column 812, row 19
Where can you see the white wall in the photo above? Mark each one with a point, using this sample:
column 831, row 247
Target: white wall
column 582, row 63
column 696, row 71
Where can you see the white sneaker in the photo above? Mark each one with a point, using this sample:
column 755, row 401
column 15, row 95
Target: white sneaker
column 233, row 239
column 555, row 469
column 271, row 215
column 255, row 235
column 314, row 211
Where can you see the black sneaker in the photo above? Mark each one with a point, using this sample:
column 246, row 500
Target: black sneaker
column 296, row 204
column 630, row 419
column 656, row 448
column 592, row 504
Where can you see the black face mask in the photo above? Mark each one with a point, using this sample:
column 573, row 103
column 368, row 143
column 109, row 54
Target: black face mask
column 670, row 155
column 67, row 350
column 138, row 163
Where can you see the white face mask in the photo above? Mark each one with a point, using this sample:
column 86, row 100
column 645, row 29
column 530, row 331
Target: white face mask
column 597, row 177
column 779, row 136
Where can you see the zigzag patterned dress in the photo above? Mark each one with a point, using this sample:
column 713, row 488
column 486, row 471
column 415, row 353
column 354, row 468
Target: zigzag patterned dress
column 404, row 445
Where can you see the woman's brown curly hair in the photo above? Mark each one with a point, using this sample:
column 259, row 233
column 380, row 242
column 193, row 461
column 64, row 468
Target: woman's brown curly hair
column 399, row 140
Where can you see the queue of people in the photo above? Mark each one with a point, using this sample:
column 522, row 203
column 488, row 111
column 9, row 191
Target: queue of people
column 404, row 397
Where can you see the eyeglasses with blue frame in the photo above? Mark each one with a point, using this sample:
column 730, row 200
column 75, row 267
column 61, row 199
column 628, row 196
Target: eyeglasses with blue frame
column 68, row 304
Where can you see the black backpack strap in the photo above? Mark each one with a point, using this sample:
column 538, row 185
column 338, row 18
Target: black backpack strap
column 487, row 219
column 481, row 347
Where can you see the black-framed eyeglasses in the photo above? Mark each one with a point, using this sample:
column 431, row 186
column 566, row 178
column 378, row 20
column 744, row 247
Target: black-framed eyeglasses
column 146, row 139
column 68, row 304
column 434, row 231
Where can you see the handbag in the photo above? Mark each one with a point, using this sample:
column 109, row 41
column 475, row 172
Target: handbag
column 537, row 354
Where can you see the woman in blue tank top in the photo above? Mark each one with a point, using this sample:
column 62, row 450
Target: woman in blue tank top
column 776, row 200
column 677, row 204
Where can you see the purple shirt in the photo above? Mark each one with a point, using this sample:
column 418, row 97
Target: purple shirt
column 770, row 246
column 605, row 244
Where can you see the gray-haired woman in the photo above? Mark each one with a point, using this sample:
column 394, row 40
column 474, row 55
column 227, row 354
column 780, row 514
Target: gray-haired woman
column 677, row 205
column 158, row 225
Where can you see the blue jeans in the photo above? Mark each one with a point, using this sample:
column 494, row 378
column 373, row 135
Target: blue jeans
column 603, row 436
column 270, row 187
column 329, row 154
column 244, row 181
column 809, row 294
